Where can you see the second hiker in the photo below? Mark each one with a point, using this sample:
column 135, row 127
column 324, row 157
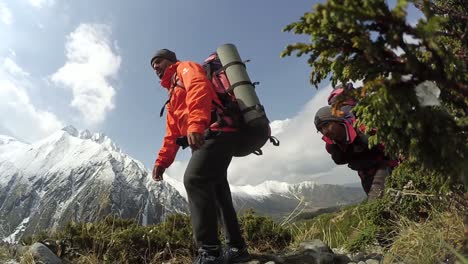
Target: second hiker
column 349, row 145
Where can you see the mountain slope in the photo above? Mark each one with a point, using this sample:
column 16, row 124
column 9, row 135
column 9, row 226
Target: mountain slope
column 279, row 199
column 73, row 176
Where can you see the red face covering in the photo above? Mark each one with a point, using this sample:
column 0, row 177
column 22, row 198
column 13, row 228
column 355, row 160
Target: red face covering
column 167, row 77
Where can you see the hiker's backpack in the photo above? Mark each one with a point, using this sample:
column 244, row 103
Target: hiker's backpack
column 343, row 102
column 253, row 134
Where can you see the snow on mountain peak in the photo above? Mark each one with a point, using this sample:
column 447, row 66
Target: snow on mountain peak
column 271, row 187
column 99, row 138
column 85, row 134
column 71, row 130
column 63, row 151
column 9, row 145
column 7, row 139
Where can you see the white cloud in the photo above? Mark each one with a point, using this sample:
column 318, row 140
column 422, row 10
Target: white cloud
column 41, row 3
column 91, row 64
column 428, row 94
column 11, row 67
column 301, row 155
column 5, row 14
column 20, row 117
column 410, row 39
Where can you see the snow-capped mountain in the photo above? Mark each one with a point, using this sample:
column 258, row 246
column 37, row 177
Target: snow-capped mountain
column 279, row 199
column 76, row 176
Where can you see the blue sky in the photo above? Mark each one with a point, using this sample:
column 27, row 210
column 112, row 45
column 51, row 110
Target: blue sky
column 86, row 63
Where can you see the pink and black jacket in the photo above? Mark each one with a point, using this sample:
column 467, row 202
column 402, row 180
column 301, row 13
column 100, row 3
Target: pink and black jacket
column 356, row 152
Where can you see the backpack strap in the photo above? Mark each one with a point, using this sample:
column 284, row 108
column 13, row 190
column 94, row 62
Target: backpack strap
column 207, row 68
column 241, row 83
column 258, row 152
column 235, row 63
column 161, row 113
column 274, row 141
column 234, row 85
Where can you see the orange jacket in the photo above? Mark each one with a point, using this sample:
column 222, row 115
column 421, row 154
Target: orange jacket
column 189, row 108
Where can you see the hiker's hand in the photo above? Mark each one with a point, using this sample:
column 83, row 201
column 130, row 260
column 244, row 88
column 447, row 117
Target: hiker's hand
column 196, row 140
column 158, row 173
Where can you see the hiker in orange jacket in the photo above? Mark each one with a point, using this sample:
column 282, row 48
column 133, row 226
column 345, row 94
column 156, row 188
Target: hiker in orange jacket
column 190, row 114
column 349, row 145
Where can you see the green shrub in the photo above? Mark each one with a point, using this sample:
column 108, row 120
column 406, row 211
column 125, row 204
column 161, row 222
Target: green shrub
column 414, row 191
column 263, row 233
column 116, row 240
column 353, row 227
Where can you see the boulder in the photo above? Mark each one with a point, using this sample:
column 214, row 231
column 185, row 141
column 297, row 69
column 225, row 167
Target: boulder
column 43, row 254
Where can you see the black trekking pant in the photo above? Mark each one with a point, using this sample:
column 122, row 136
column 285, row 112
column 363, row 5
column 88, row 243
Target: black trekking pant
column 373, row 181
column 208, row 193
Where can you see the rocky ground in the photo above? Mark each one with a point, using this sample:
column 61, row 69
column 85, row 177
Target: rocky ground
column 316, row 252
column 310, row 252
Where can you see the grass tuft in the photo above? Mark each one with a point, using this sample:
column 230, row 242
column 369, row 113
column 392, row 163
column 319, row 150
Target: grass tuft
column 432, row 241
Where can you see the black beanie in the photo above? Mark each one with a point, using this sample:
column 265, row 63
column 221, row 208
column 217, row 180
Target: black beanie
column 325, row 114
column 165, row 54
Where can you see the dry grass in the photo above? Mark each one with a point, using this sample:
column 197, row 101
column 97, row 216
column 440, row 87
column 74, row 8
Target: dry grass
column 175, row 260
column 334, row 229
column 89, row 259
column 4, row 254
column 430, row 242
column 94, row 259
column 27, row 258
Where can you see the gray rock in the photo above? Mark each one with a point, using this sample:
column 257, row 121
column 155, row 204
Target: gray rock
column 341, row 251
column 341, row 259
column 43, row 254
column 375, row 256
column 316, row 245
column 372, row 261
column 358, row 257
column 308, row 256
column 326, row 258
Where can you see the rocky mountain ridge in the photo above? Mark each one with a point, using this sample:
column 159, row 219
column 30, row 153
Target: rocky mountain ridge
column 76, row 176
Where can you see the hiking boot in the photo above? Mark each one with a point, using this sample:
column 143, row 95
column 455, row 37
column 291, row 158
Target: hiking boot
column 205, row 258
column 236, row 255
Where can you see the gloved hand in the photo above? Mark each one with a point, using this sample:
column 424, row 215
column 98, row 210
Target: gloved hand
column 158, row 172
column 196, row 140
